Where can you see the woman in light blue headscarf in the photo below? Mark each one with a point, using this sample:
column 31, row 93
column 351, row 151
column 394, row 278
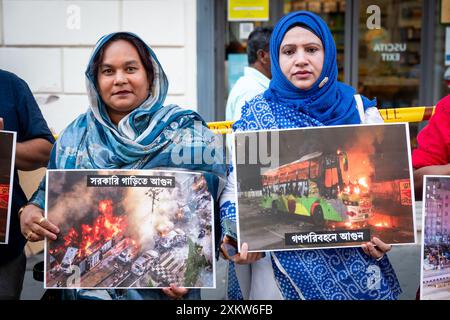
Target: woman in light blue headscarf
column 127, row 127
column 304, row 92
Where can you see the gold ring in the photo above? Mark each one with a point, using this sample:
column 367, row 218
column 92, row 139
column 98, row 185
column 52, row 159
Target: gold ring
column 29, row 233
column 41, row 220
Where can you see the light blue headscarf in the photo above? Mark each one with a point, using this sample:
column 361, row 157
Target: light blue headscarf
column 145, row 138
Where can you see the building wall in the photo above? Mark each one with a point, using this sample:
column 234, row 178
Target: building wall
column 48, row 42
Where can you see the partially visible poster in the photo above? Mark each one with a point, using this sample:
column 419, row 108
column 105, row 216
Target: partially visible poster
column 248, row 10
column 435, row 266
column 324, row 187
column 7, row 157
column 129, row 229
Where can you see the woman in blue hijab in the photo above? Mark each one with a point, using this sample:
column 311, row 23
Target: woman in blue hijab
column 304, row 92
column 127, row 127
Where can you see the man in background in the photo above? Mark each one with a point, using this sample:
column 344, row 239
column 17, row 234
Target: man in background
column 19, row 112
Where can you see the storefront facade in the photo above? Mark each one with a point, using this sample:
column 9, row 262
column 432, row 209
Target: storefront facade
column 392, row 50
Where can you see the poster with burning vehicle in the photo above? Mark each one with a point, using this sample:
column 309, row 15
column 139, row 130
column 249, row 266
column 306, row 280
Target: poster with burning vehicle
column 7, row 157
column 435, row 266
column 324, row 187
column 123, row 229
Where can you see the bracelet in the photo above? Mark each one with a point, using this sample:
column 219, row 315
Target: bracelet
column 21, row 209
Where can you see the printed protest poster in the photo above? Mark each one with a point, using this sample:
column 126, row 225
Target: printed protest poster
column 435, row 269
column 324, row 187
column 7, row 157
column 123, row 229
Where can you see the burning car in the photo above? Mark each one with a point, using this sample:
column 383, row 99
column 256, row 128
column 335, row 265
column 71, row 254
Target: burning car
column 139, row 266
column 126, row 256
column 184, row 213
column 174, row 238
column 143, row 262
column 151, row 254
column 179, row 238
column 67, row 261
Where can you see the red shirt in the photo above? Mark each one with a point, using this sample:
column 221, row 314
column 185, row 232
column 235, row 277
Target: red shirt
column 434, row 140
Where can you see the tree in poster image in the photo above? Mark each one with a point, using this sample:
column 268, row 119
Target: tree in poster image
column 153, row 193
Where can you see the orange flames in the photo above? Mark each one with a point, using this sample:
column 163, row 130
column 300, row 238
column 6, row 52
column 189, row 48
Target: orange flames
column 360, row 167
column 105, row 227
column 382, row 225
column 70, row 237
column 163, row 229
column 381, row 221
column 357, row 187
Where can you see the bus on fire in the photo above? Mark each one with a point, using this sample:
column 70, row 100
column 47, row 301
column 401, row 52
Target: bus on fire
column 313, row 186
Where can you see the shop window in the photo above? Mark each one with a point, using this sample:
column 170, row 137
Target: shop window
column 389, row 57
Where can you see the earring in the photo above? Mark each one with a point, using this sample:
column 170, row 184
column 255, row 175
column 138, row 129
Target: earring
column 322, row 83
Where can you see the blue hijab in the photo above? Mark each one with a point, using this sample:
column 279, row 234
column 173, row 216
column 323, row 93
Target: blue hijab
column 333, row 103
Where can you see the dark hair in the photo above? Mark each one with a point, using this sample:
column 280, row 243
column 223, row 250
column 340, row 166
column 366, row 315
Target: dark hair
column 304, row 26
column 259, row 39
column 140, row 48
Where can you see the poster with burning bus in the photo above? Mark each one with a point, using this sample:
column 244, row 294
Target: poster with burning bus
column 123, row 229
column 7, row 157
column 324, row 187
column 435, row 266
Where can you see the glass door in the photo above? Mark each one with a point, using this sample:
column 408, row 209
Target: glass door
column 389, row 56
column 236, row 33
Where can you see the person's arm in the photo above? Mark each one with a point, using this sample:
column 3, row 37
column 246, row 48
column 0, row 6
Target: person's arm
column 443, row 170
column 376, row 248
column 175, row 292
column 34, row 138
column 432, row 153
column 32, row 154
column 33, row 224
